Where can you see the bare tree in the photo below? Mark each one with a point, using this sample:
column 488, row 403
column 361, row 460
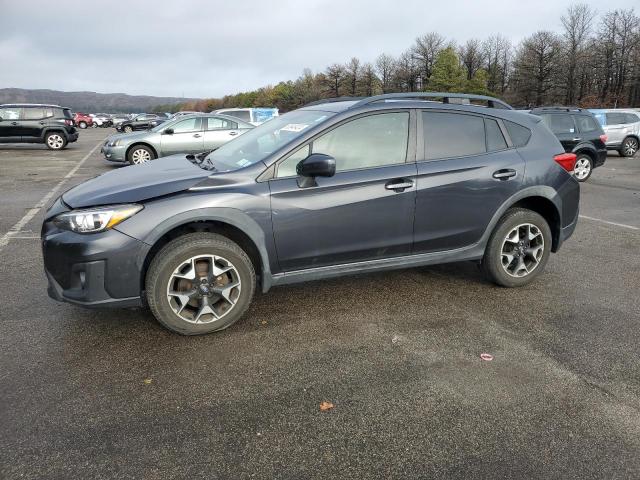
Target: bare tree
column 334, row 77
column 471, row 56
column 385, row 68
column 352, row 70
column 369, row 80
column 497, row 57
column 577, row 27
column 426, row 50
column 536, row 67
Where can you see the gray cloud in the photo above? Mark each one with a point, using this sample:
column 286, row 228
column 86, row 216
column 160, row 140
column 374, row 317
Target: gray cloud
column 210, row 48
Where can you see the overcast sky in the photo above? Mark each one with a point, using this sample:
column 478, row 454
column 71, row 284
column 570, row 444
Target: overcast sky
column 210, row 48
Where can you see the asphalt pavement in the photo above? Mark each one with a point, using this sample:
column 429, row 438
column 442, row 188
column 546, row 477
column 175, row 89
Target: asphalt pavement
column 110, row 394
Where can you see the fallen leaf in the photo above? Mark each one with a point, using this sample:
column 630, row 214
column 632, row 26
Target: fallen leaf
column 263, row 322
column 147, row 381
column 487, row 357
column 324, row 406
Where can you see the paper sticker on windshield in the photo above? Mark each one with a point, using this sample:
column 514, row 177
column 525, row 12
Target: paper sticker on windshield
column 294, row 127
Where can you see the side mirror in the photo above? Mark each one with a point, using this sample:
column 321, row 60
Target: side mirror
column 168, row 131
column 315, row 165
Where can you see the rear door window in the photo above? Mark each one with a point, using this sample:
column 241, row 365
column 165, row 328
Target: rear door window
column 559, row 123
column 33, row 113
column 617, row 118
column 449, row 135
column 217, row 123
column 495, row 138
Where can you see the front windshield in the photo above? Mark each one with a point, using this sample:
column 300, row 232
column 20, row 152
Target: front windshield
column 260, row 142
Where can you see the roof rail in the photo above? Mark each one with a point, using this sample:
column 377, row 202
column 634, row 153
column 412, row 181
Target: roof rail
column 333, row 100
column 560, row 107
column 491, row 101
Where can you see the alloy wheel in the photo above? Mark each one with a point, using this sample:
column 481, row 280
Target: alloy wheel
column 630, row 147
column 203, row 289
column 55, row 141
column 522, row 250
column 128, row 129
column 582, row 168
column 140, row 155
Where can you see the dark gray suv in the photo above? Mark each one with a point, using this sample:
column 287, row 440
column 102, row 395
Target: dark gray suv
column 331, row 189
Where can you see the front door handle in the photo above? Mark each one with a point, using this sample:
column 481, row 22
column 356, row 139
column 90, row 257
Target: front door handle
column 577, row 139
column 399, row 185
column 504, row 174
column 14, row 123
column 196, row 135
column 233, row 133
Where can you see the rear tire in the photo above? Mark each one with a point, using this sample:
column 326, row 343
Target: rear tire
column 82, row 125
column 217, row 296
column 518, row 248
column 128, row 129
column 583, row 168
column 629, row 147
column 55, row 141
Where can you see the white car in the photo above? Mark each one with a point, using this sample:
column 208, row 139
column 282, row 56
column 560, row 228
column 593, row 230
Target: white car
column 622, row 127
column 255, row 116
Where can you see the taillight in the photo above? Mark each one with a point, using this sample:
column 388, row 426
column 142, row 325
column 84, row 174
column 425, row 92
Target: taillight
column 68, row 122
column 566, row 161
column 604, row 138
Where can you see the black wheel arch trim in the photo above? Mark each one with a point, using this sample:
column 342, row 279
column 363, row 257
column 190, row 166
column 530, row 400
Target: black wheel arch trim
column 230, row 216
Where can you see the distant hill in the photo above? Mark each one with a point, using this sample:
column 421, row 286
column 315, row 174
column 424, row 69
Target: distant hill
column 88, row 101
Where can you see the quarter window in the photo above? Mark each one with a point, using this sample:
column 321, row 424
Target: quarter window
column 287, row 167
column 452, row 135
column 241, row 114
column 617, row 118
column 495, row 139
column 371, row 141
column 519, row 135
column 586, row 124
column 559, row 123
column 631, row 118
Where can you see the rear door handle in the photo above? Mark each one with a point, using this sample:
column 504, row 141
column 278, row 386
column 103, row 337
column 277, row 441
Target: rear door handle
column 577, row 139
column 504, row 174
column 233, row 133
column 14, row 123
column 196, row 135
column 398, row 185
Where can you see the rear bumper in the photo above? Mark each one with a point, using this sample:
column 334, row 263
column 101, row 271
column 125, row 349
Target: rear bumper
column 72, row 137
column 601, row 157
column 96, row 270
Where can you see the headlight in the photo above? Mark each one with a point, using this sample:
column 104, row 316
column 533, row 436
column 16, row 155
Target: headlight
column 113, row 143
column 94, row 220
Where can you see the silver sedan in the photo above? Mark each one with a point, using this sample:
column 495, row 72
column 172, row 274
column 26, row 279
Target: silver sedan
column 188, row 134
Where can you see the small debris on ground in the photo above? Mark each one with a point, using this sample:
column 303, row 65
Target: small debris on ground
column 324, row 406
column 487, row 357
column 147, row 381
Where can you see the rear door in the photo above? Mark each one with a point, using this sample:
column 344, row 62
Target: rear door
column 218, row 131
column 9, row 124
column 32, row 122
column 186, row 137
column 564, row 128
column 616, row 128
column 357, row 214
column 466, row 171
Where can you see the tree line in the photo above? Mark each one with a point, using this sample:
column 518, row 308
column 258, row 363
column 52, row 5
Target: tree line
column 594, row 61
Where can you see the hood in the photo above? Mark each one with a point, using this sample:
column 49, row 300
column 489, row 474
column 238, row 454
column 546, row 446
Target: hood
column 133, row 136
column 136, row 183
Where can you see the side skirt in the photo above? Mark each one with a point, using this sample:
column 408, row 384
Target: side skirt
column 474, row 252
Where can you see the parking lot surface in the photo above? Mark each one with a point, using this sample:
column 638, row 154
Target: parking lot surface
column 110, row 394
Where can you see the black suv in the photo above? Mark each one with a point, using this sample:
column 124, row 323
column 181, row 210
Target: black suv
column 30, row 123
column 144, row 121
column 579, row 132
column 331, row 189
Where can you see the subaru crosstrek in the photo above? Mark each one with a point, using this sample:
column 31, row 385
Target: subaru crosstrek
column 335, row 188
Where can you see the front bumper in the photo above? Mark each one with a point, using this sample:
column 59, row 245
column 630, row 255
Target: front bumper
column 93, row 270
column 114, row 154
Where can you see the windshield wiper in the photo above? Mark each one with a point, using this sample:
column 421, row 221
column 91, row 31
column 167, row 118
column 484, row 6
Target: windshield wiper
column 202, row 161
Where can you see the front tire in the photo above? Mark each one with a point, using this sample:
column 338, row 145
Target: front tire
column 518, row 248
column 55, row 141
column 629, row 147
column 128, row 129
column 82, row 125
column 583, row 167
column 200, row 283
column 139, row 154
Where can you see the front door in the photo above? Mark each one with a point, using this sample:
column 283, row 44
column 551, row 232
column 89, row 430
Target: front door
column 364, row 212
column 466, row 171
column 10, row 124
column 185, row 138
column 32, row 122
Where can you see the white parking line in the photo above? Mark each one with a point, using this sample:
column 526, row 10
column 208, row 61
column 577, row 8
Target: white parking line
column 32, row 212
column 630, row 227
